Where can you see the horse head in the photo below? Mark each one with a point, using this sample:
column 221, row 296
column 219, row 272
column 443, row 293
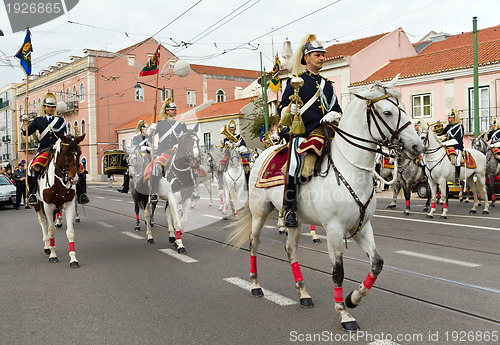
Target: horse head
column 478, row 143
column 388, row 123
column 67, row 157
column 189, row 147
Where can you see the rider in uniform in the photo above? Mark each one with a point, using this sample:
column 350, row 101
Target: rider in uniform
column 494, row 133
column 454, row 132
column 49, row 127
column 320, row 106
column 241, row 147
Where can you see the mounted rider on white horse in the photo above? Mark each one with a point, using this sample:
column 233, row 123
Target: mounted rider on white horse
column 454, row 132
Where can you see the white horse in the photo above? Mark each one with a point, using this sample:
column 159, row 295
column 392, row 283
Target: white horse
column 492, row 165
column 233, row 181
column 57, row 191
column 342, row 201
column 439, row 170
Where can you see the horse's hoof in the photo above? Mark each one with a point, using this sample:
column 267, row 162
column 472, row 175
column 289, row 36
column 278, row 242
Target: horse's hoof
column 492, row 205
column 350, row 326
column 46, row 251
column 152, row 225
column 137, row 228
column 348, row 301
column 443, row 217
column 306, row 302
column 317, row 240
column 53, row 260
column 426, row 209
column 74, row 264
column 429, row 216
column 391, row 207
column 281, row 232
column 58, row 226
column 151, row 241
column 224, row 218
column 472, row 212
column 406, row 213
column 209, row 205
column 257, row 292
column 461, row 200
column 466, row 201
column 77, row 220
column 181, row 250
column 171, row 239
column 486, row 212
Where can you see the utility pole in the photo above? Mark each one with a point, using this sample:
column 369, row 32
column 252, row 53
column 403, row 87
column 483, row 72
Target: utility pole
column 476, row 78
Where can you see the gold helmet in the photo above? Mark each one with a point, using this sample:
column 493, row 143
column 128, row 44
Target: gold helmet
column 140, row 125
column 454, row 115
column 49, row 99
column 307, row 45
column 167, row 105
column 494, row 124
column 232, row 125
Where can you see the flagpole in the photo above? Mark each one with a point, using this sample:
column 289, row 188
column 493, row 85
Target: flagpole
column 154, row 121
column 26, row 140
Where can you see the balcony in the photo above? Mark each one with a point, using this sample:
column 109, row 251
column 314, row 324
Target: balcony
column 6, row 156
column 31, row 146
column 68, row 108
column 6, row 139
column 72, row 105
column 4, row 104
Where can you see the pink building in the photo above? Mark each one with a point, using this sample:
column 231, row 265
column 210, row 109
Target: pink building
column 102, row 91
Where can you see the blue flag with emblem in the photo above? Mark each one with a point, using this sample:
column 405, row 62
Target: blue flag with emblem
column 24, row 54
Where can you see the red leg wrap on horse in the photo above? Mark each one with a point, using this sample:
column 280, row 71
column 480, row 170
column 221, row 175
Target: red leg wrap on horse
column 408, row 203
column 72, row 246
column 369, row 281
column 253, row 264
column 137, row 217
column 313, row 227
column 178, row 235
column 338, row 293
column 493, row 197
column 444, row 205
column 52, row 242
column 297, row 274
column 433, row 205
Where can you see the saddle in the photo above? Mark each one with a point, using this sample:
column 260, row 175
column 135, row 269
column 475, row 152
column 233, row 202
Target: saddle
column 162, row 160
column 496, row 152
column 466, row 158
column 42, row 159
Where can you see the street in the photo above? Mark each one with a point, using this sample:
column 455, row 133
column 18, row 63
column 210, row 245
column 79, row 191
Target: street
column 439, row 285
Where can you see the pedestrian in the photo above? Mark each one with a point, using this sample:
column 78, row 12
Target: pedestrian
column 19, row 177
column 8, row 173
column 2, row 170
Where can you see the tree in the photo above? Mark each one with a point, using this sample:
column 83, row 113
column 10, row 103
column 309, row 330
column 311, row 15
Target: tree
column 257, row 119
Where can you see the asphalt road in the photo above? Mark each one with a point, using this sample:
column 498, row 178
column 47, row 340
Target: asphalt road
column 440, row 283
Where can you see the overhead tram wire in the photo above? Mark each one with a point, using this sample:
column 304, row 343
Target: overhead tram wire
column 279, row 28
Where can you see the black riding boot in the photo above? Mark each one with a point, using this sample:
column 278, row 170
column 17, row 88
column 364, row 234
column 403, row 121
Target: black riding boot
column 126, row 181
column 32, row 186
column 155, row 181
column 457, row 175
column 81, row 189
column 247, row 177
column 290, row 203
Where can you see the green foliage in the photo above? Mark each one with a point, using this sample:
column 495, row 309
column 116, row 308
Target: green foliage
column 257, row 119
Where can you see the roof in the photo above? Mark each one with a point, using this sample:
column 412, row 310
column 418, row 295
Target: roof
column 235, row 72
column 464, row 39
column 350, row 48
column 437, row 62
column 147, row 117
column 232, row 107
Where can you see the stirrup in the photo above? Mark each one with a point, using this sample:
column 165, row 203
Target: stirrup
column 83, row 199
column 154, row 198
column 32, row 200
column 291, row 219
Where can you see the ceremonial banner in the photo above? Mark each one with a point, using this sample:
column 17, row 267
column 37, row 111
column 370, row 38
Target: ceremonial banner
column 151, row 67
column 275, row 79
column 24, row 54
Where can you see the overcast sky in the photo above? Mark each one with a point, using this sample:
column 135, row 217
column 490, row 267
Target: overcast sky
column 232, row 33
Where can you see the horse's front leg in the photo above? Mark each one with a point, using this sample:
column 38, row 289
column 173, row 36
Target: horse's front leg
column 395, row 191
column 433, row 188
column 314, row 237
column 291, row 245
column 51, row 231
column 366, row 242
column 70, row 234
column 178, row 232
column 481, row 185
column 42, row 219
column 171, row 228
column 147, row 217
column 208, row 185
column 335, row 236
column 407, row 193
column 444, row 199
column 281, row 223
column 77, row 215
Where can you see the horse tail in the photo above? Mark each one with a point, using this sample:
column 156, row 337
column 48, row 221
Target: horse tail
column 242, row 228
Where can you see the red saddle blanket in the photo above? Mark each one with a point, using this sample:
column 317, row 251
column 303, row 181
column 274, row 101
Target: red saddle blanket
column 41, row 160
column 244, row 161
column 387, row 163
column 270, row 174
column 496, row 152
column 162, row 159
column 466, row 158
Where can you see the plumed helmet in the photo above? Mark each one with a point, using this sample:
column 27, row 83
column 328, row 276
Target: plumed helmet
column 167, row 105
column 494, row 123
column 232, row 125
column 49, row 99
column 454, row 115
column 140, row 125
column 307, row 45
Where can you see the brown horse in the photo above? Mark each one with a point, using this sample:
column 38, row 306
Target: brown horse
column 56, row 191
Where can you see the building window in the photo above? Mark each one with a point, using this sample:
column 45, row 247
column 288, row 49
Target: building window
column 39, row 103
column 75, row 95
column 75, row 128
column 69, row 128
column 165, row 94
column 207, row 141
column 34, row 107
column 139, row 94
column 68, row 95
column 82, row 92
column 221, row 96
column 131, row 60
column 124, row 143
column 484, row 109
column 61, row 96
column 421, row 106
column 83, row 127
column 191, row 98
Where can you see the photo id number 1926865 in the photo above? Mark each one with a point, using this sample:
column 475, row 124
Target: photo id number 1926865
column 34, row 8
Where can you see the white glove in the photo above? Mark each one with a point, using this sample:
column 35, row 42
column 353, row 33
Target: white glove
column 25, row 118
column 242, row 149
column 153, row 126
column 146, row 149
column 330, row 117
column 294, row 109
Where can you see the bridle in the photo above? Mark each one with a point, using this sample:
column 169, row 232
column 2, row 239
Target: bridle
column 63, row 173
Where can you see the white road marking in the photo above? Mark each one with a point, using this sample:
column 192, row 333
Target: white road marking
column 99, row 197
column 106, row 225
column 383, row 342
column 181, row 257
column 212, row 216
column 440, row 223
column 322, row 236
column 270, row 227
column 269, row 295
column 453, row 215
column 131, row 234
column 117, row 200
column 437, row 258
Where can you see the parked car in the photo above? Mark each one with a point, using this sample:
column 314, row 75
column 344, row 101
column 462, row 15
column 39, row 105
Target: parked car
column 422, row 188
column 7, row 192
